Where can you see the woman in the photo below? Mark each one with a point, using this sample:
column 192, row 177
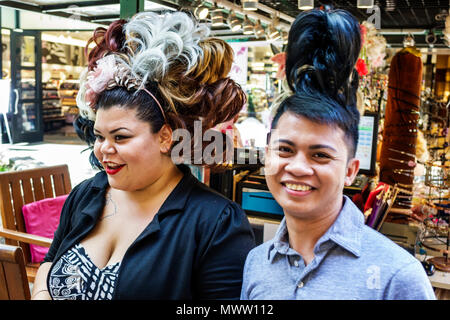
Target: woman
column 322, row 249
column 143, row 227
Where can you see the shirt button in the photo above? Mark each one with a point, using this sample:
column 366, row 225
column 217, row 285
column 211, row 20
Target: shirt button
column 300, row 285
column 296, row 263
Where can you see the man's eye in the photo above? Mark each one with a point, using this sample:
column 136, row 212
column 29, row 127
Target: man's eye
column 284, row 149
column 322, row 155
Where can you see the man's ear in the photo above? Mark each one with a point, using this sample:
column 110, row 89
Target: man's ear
column 351, row 171
column 165, row 138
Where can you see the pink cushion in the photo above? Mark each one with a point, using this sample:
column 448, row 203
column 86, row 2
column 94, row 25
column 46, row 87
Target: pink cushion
column 42, row 219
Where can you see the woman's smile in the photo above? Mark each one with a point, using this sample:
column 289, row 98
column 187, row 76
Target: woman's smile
column 112, row 168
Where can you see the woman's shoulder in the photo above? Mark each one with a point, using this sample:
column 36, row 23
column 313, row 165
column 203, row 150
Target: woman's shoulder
column 204, row 196
column 98, row 181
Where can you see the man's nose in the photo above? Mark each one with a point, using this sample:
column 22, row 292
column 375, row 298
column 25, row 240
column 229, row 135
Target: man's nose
column 299, row 165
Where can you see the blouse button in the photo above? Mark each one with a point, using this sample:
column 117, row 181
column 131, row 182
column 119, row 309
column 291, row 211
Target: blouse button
column 300, row 285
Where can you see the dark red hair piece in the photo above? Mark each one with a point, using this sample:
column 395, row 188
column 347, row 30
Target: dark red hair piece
column 106, row 40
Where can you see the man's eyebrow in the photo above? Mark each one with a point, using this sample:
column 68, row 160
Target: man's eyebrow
column 313, row 147
column 322, row 146
column 289, row 142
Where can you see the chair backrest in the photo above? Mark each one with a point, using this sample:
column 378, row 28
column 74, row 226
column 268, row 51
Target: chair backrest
column 18, row 188
column 13, row 276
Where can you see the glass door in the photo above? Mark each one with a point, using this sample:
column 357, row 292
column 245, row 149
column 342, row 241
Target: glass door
column 27, row 124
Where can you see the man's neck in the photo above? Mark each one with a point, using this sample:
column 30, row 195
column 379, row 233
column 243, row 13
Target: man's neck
column 304, row 233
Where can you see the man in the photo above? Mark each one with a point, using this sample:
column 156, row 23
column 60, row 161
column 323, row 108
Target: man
column 323, row 249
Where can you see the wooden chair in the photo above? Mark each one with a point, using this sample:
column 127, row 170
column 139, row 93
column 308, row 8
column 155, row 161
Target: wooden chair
column 18, row 188
column 13, row 276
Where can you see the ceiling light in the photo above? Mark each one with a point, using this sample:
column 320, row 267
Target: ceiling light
column 364, row 4
column 259, row 30
column 234, row 22
column 250, row 5
column 284, row 36
column 201, row 11
column 441, row 16
column 248, row 26
column 409, row 41
column 273, row 34
column 430, row 38
column 217, row 18
column 306, row 4
column 390, row 5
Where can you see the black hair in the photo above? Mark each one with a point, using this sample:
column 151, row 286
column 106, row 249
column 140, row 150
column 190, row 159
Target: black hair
column 323, row 47
column 146, row 110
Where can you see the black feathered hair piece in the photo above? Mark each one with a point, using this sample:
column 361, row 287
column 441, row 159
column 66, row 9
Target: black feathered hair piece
column 330, row 42
column 322, row 50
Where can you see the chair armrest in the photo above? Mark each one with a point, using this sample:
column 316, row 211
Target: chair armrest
column 25, row 237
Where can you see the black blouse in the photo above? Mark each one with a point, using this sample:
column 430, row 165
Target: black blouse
column 194, row 248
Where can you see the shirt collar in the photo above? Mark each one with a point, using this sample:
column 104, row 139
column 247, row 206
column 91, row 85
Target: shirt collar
column 346, row 232
column 280, row 243
column 176, row 201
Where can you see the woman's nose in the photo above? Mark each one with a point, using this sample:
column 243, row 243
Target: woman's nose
column 107, row 147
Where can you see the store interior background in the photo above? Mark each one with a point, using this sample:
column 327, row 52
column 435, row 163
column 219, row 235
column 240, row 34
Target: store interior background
column 48, row 38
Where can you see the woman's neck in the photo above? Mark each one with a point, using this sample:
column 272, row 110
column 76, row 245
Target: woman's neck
column 155, row 193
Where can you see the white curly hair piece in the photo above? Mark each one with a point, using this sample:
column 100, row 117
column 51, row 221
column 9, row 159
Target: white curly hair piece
column 157, row 42
column 154, row 43
column 85, row 109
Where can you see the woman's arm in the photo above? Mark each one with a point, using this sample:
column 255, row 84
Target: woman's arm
column 40, row 290
column 221, row 265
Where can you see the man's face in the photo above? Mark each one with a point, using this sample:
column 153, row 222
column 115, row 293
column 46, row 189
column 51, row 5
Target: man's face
column 307, row 167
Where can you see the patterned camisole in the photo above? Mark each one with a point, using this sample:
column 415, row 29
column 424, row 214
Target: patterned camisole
column 75, row 277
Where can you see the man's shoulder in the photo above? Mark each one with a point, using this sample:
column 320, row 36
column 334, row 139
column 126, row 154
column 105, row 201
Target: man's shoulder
column 380, row 248
column 260, row 253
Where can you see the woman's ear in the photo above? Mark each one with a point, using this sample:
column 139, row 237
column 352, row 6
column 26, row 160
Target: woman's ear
column 165, row 138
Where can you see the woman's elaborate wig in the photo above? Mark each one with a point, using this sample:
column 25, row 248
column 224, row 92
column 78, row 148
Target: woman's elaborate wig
column 165, row 67
column 323, row 47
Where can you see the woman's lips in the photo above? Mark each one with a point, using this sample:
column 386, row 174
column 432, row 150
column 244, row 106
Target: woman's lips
column 113, row 170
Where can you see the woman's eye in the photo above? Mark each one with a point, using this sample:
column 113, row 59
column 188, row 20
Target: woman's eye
column 119, row 138
column 98, row 137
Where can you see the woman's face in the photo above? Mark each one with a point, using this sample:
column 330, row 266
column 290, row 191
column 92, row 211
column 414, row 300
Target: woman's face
column 307, row 167
column 128, row 150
